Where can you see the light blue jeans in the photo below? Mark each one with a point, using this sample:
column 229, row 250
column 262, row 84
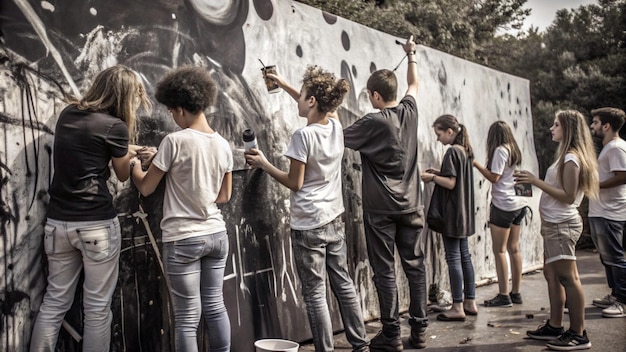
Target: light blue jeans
column 93, row 246
column 195, row 267
column 460, row 269
column 318, row 252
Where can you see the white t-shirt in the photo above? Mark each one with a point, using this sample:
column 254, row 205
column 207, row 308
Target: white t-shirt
column 195, row 163
column 320, row 199
column 611, row 203
column 552, row 210
column 503, row 192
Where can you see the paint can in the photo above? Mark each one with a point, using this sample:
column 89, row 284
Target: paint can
column 272, row 86
column 276, row 345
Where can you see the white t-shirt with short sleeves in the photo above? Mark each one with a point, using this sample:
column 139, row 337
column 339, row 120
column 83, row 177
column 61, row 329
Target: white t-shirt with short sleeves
column 195, row 163
column 552, row 210
column 320, row 200
column 611, row 203
column 503, row 192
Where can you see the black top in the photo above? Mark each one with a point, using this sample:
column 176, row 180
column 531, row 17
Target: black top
column 459, row 201
column 387, row 141
column 84, row 143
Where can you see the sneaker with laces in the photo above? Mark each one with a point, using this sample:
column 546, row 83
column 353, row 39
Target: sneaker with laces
column 418, row 334
column 617, row 310
column 516, row 298
column 499, row 301
column 545, row 332
column 605, row 301
column 380, row 342
column 570, row 341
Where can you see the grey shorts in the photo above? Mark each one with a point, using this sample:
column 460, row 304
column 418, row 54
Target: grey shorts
column 559, row 240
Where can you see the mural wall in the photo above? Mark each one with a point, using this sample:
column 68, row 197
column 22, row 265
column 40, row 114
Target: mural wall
column 52, row 48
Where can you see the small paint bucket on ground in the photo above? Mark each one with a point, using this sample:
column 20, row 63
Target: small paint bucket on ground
column 276, row 345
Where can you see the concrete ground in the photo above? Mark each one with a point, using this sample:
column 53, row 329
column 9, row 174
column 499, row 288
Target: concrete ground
column 504, row 329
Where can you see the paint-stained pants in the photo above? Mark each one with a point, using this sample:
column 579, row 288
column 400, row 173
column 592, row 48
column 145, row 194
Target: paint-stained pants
column 318, row 252
column 384, row 233
column 195, row 267
column 71, row 246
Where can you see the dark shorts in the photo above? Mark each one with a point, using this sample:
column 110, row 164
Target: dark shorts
column 505, row 219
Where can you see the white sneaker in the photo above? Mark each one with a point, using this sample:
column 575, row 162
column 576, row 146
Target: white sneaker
column 605, row 301
column 617, row 310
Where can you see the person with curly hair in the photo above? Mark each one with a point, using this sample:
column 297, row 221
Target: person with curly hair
column 317, row 231
column 198, row 165
column 82, row 231
column 393, row 213
column 573, row 175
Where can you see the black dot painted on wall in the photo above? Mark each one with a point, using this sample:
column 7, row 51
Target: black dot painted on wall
column 264, row 9
column 299, row 51
column 442, row 75
column 345, row 40
column 329, row 17
column 515, row 124
column 372, row 67
column 354, row 71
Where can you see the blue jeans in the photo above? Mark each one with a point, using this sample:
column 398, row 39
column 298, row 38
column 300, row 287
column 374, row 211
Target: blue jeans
column 92, row 246
column 319, row 252
column 195, row 267
column 608, row 237
column 460, row 268
column 384, row 233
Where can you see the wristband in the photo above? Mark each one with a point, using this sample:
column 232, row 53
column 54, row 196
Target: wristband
column 412, row 62
column 410, row 52
column 433, row 179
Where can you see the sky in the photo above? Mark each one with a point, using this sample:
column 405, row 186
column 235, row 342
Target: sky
column 544, row 11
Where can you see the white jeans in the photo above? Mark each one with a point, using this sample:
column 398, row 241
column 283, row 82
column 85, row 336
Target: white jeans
column 71, row 246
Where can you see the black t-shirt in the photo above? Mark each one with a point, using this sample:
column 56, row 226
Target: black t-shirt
column 459, row 206
column 387, row 142
column 84, row 143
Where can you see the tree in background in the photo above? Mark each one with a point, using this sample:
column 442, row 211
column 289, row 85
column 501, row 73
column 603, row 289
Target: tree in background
column 579, row 62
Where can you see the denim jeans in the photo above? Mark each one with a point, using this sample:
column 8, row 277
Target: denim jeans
column 195, row 267
column 384, row 233
column 608, row 237
column 93, row 246
column 319, row 252
column 460, row 268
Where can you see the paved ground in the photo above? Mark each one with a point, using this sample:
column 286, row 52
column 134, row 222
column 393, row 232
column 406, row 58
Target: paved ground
column 504, row 329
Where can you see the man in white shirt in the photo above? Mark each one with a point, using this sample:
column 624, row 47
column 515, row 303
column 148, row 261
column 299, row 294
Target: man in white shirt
column 607, row 214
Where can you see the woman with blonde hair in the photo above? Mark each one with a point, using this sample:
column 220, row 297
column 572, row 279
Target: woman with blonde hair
column 573, row 175
column 507, row 211
column 82, row 231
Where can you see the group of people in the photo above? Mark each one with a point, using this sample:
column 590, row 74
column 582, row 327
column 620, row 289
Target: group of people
column 82, row 230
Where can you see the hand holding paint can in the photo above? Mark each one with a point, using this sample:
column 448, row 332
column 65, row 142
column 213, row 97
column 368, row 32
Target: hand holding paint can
column 272, row 85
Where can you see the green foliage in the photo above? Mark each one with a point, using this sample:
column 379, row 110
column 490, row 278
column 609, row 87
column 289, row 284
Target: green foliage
column 579, row 62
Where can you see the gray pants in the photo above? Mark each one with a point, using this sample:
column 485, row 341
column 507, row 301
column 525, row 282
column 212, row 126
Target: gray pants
column 71, row 246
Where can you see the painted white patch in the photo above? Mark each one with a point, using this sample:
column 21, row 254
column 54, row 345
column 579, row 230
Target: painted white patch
column 47, row 6
column 93, row 11
column 173, row 16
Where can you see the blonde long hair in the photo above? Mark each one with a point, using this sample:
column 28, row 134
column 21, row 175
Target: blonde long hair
column 578, row 141
column 117, row 91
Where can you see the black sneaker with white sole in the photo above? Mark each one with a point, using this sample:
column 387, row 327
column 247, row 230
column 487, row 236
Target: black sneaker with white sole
column 570, row 341
column 545, row 332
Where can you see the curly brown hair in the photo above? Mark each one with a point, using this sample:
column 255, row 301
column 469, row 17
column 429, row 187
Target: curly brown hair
column 188, row 87
column 325, row 87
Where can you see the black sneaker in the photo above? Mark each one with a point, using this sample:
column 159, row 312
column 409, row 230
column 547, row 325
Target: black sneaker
column 499, row 301
column 418, row 334
column 516, row 297
column 380, row 342
column 570, row 341
column 545, row 332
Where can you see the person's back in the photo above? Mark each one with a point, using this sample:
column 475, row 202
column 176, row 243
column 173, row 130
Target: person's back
column 85, row 141
column 389, row 157
column 392, row 214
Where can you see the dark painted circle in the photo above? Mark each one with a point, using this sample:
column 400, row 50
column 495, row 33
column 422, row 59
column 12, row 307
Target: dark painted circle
column 372, row 67
column 354, row 71
column 329, row 17
column 299, row 51
column 345, row 40
column 264, row 9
